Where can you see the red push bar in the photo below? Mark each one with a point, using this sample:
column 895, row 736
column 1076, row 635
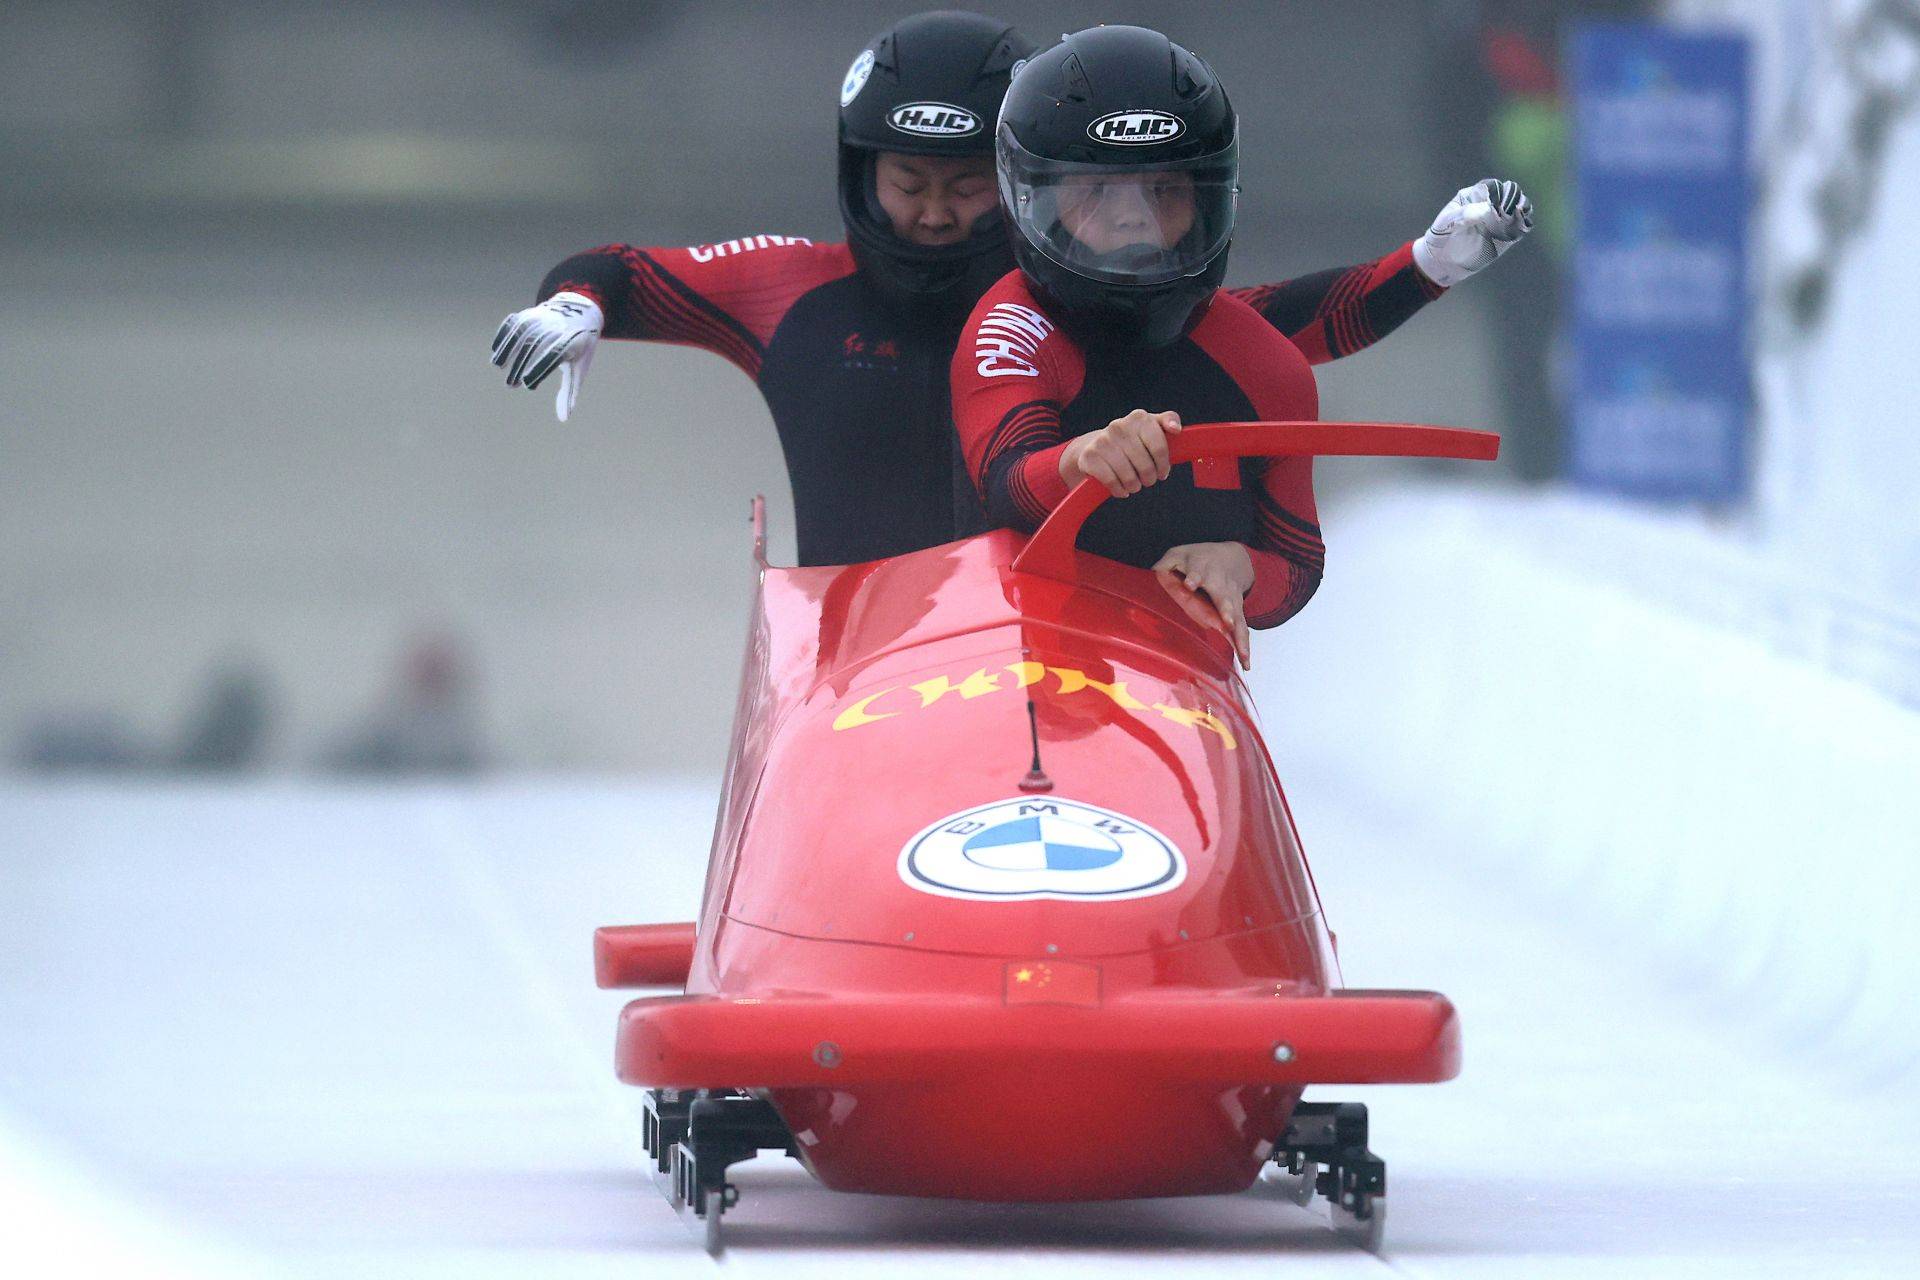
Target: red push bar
column 642, row 955
column 1347, row 1037
column 1049, row 553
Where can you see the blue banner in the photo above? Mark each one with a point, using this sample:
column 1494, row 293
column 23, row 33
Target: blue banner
column 1660, row 385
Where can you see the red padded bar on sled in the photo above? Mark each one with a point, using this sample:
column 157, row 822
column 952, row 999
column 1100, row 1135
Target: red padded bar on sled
column 1349, row 1037
column 642, row 955
column 1050, row 552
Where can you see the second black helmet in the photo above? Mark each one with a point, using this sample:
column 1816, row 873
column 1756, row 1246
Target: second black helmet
column 1118, row 159
column 930, row 85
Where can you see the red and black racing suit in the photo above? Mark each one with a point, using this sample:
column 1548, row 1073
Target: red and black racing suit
column 1022, row 389
column 859, row 391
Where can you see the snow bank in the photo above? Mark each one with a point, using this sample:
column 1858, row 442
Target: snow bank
column 1596, row 704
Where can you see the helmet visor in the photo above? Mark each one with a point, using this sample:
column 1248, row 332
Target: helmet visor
column 1139, row 224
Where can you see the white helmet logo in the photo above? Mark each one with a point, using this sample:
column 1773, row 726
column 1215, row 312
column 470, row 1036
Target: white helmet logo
column 934, row 120
column 856, row 77
column 1136, row 128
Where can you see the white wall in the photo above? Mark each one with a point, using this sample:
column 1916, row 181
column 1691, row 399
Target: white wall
column 1844, row 404
column 1831, row 543
column 1728, row 813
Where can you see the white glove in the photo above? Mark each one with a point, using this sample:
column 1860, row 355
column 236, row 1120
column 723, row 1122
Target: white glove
column 1477, row 226
column 559, row 333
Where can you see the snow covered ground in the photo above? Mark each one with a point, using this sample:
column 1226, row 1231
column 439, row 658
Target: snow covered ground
column 321, row 1032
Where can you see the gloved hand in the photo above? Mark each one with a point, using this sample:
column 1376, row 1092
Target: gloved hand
column 559, row 333
column 1478, row 225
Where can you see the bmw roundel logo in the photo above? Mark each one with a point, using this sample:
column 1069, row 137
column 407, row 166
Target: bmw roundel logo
column 1041, row 847
column 856, row 78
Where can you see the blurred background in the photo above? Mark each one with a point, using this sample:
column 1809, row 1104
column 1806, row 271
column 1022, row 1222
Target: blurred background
column 267, row 492
column 277, row 545
column 257, row 498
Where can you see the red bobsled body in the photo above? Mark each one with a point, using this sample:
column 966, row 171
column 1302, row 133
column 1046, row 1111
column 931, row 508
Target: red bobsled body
column 954, row 975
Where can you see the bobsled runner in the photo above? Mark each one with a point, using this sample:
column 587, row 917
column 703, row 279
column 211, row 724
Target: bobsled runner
column 1005, row 902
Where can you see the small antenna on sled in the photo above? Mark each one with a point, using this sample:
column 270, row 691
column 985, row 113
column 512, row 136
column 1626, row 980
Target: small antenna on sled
column 1036, row 779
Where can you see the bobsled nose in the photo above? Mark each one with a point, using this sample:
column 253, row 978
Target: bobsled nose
column 963, row 1098
column 1343, row 1037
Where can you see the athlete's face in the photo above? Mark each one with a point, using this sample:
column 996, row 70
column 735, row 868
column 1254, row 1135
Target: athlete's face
column 1109, row 211
column 934, row 199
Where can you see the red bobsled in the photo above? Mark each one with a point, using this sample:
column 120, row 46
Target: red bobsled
column 1005, row 902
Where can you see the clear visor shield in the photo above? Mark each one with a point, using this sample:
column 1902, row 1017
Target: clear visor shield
column 1133, row 224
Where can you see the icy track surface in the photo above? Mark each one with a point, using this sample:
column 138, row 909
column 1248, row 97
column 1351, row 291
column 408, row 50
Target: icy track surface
column 354, row 1033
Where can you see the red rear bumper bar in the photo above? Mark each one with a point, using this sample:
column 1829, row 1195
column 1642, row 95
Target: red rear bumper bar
column 1347, row 1037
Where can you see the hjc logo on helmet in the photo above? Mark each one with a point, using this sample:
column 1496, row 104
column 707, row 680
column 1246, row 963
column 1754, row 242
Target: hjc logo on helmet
column 934, row 119
column 1136, row 128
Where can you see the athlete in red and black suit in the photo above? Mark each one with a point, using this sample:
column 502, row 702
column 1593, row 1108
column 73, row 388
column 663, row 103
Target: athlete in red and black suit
column 859, row 393
column 857, row 390
column 850, row 343
column 1121, row 185
column 1025, row 392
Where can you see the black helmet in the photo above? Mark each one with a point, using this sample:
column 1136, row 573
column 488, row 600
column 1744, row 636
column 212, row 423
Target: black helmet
column 929, row 85
column 1119, row 165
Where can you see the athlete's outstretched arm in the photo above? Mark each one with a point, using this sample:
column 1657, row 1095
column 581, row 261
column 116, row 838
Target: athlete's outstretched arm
column 1335, row 313
column 726, row 298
